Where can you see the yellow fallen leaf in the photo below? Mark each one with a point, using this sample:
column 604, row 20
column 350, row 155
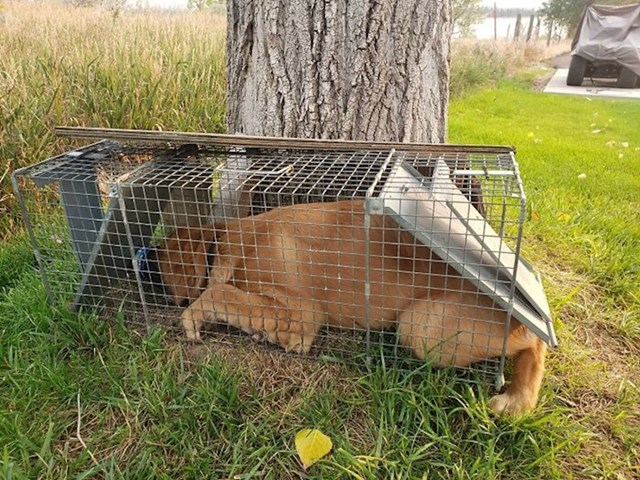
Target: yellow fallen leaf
column 530, row 134
column 311, row 446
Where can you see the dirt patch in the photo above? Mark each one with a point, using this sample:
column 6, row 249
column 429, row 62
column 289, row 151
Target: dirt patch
column 540, row 82
column 265, row 367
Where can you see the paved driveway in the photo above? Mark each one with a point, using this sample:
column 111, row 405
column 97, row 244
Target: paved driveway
column 595, row 88
column 590, row 88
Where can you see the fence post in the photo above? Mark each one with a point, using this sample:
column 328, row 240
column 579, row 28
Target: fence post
column 530, row 29
column 516, row 31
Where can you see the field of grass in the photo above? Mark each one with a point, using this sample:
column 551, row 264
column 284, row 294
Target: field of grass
column 482, row 63
column 87, row 397
column 66, row 66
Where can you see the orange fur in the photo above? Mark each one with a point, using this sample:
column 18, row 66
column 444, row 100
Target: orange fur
column 286, row 273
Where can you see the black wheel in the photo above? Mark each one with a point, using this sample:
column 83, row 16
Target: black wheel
column 576, row 71
column 626, row 79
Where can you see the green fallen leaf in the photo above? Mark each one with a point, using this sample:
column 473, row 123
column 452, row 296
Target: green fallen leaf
column 311, row 446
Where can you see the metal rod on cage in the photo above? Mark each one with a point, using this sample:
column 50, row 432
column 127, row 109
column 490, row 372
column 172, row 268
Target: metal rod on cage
column 482, row 173
column 280, row 171
column 367, row 237
column 32, row 236
column 503, row 213
column 132, row 253
column 367, row 286
column 523, row 203
column 154, row 136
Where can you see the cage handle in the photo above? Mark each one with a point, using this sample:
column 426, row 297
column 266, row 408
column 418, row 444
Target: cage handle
column 280, row 171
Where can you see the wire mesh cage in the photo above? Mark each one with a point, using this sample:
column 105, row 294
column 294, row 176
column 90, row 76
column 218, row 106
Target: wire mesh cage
column 335, row 248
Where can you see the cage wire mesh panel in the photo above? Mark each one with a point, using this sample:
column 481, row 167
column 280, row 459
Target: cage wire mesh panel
column 415, row 254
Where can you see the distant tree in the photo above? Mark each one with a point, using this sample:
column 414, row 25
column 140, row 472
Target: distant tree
column 466, row 14
column 83, row 3
column 199, row 4
column 203, row 4
column 567, row 13
column 114, row 6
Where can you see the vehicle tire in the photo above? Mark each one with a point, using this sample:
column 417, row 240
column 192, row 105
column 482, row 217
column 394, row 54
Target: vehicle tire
column 626, row 79
column 576, row 71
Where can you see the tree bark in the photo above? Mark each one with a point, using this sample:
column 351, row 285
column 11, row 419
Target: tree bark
column 351, row 69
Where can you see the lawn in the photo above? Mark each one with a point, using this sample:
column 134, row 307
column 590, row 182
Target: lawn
column 580, row 161
column 87, row 397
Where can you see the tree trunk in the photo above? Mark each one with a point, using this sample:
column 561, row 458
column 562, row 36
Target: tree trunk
column 351, row 69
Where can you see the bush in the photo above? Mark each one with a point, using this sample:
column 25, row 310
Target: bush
column 482, row 63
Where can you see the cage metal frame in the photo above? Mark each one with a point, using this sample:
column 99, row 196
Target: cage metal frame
column 237, row 147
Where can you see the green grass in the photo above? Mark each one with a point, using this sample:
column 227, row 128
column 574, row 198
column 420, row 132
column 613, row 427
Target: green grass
column 584, row 234
column 145, row 411
column 593, row 222
column 88, row 397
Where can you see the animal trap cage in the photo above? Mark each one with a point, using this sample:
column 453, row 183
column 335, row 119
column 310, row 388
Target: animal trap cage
column 311, row 245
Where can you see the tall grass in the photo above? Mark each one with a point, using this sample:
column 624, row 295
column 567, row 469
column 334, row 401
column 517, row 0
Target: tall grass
column 61, row 65
column 482, row 63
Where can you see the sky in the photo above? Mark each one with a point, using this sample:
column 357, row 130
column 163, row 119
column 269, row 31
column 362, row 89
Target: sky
column 489, row 3
column 513, row 3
